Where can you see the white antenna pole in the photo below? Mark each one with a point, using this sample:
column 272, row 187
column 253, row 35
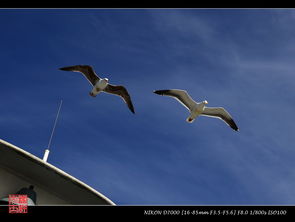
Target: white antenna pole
column 45, row 157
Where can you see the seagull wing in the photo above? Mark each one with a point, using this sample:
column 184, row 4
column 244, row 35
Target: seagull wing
column 181, row 95
column 122, row 92
column 221, row 113
column 86, row 70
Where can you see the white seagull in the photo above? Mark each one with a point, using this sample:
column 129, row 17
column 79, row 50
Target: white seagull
column 197, row 109
column 101, row 84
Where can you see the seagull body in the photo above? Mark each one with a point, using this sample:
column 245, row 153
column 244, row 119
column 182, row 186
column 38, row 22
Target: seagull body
column 198, row 109
column 101, row 84
column 99, row 87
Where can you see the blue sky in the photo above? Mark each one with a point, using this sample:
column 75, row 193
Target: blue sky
column 241, row 59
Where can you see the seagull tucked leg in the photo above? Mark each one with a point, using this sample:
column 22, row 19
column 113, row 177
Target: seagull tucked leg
column 92, row 94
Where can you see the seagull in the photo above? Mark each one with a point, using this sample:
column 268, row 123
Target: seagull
column 101, row 84
column 197, row 109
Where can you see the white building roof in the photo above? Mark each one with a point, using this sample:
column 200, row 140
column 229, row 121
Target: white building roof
column 49, row 177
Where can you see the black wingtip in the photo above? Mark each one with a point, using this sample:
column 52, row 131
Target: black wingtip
column 131, row 108
column 235, row 128
column 65, row 68
column 161, row 92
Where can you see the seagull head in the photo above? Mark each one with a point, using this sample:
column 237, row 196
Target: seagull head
column 106, row 79
column 205, row 102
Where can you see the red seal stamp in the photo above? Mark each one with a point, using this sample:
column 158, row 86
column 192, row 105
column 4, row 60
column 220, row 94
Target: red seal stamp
column 17, row 204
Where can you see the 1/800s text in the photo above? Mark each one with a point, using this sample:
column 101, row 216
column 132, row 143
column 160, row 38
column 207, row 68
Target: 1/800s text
column 216, row 212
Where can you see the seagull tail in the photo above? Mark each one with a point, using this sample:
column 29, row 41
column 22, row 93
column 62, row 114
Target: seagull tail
column 189, row 119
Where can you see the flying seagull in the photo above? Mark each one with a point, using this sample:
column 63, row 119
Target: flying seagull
column 101, row 84
column 197, row 109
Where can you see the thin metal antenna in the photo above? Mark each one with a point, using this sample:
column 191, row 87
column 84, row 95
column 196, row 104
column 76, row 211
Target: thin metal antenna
column 49, row 143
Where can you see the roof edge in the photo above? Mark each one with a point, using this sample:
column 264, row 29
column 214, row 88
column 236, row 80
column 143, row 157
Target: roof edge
column 56, row 170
